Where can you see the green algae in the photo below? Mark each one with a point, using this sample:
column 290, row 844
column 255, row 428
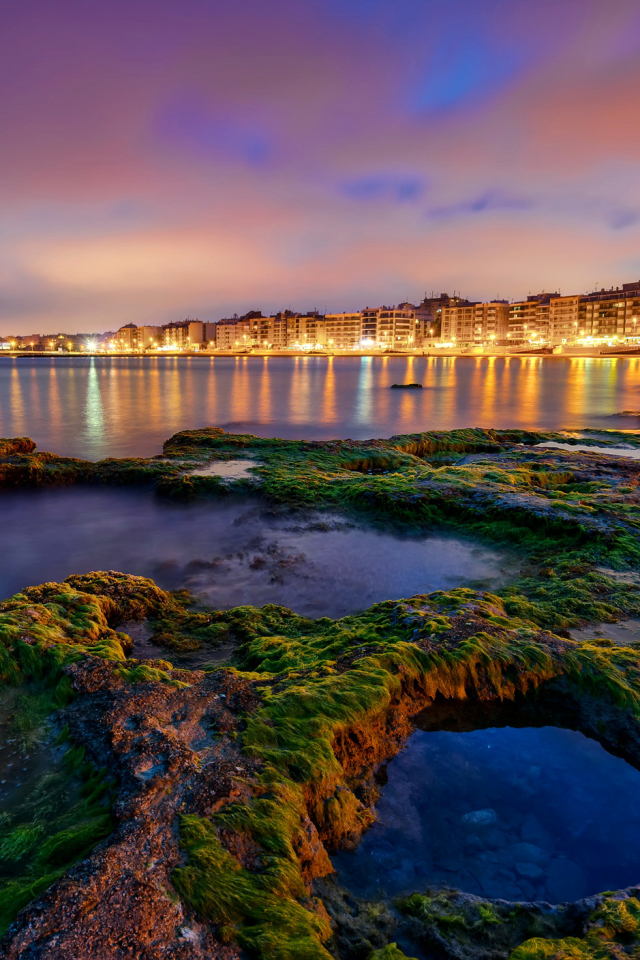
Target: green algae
column 390, row 952
column 64, row 814
column 316, row 681
column 260, row 910
column 613, row 931
column 323, row 683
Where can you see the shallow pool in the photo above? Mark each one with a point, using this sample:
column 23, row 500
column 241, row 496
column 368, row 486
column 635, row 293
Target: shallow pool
column 520, row 814
column 231, row 552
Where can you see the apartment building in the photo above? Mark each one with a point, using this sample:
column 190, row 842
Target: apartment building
column 149, row 338
column 343, row 331
column 175, row 336
column 391, row 328
column 610, row 313
column 529, row 319
column 475, row 323
column 233, row 335
column 305, row 330
column 127, row 337
column 563, row 318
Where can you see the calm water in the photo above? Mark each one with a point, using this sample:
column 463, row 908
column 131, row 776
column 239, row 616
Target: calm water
column 231, row 552
column 118, row 406
column 520, row 814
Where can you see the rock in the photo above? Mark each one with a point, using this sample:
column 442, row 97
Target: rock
column 495, row 838
column 528, row 890
column 533, row 832
column 449, row 863
column 475, row 842
column 529, row 853
column 480, row 818
column 530, row 870
column 566, row 881
column 501, row 890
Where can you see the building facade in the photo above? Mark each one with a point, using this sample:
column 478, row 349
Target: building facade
column 475, row 323
column 343, row 331
column 606, row 314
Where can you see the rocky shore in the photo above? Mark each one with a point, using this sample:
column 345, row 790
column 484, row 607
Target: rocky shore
column 190, row 813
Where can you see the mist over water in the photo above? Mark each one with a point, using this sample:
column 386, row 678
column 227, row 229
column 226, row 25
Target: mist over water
column 99, row 407
column 231, row 552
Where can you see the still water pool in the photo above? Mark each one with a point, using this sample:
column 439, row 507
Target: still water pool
column 231, row 552
column 520, row 814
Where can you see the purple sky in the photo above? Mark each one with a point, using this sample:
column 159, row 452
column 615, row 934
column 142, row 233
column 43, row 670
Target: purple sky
column 166, row 158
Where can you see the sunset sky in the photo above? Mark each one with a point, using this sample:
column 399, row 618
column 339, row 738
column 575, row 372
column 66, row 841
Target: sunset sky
column 164, row 159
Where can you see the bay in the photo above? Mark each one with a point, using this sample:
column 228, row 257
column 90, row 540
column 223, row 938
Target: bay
column 99, row 407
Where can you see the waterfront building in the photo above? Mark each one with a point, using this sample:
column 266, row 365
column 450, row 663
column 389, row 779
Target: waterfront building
column 429, row 311
column 149, row 338
column 343, row 331
column 305, row 330
column 563, row 318
column 175, row 336
column 529, row 319
column 389, row 328
column 233, row 334
column 196, row 335
column 606, row 314
column 127, row 337
column 475, row 323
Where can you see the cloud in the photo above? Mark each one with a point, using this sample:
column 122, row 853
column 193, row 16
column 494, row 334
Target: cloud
column 377, row 188
column 221, row 155
column 486, row 202
column 208, row 131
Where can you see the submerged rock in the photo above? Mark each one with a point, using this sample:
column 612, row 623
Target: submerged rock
column 480, row 818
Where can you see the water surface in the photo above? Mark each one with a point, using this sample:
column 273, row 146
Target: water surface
column 230, row 552
column 98, row 407
column 520, row 814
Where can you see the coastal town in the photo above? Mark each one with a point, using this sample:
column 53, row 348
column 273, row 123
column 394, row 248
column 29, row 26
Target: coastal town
column 603, row 322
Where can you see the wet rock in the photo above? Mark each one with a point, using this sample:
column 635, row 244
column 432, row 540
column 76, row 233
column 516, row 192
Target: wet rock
column 532, row 831
column 495, row 838
column 528, row 890
column 529, row 853
column 474, row 842
column 566, row 881
column 501, row 891
column 451, row 864
column 480, row 818
column 530, row 871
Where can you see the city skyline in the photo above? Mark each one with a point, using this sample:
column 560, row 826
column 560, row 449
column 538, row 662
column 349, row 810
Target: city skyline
column 213, row 156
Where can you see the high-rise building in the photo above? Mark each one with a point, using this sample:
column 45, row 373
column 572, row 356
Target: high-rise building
column 606, row 314
column 563, row 318
column 529, row 319
column 475, row 323
column 343, row 331
column 149, row 338
column 389, row 328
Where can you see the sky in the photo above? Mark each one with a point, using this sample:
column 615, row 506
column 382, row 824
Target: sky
column 201, row 158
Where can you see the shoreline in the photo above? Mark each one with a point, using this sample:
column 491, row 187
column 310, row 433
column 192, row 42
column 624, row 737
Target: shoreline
column 448, row 353
column 242, row 777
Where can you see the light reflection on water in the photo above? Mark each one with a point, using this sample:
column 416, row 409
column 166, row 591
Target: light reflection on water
column 126, row 406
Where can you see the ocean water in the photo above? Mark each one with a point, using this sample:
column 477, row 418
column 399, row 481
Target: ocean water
column 514, row 813
column 101, row 407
